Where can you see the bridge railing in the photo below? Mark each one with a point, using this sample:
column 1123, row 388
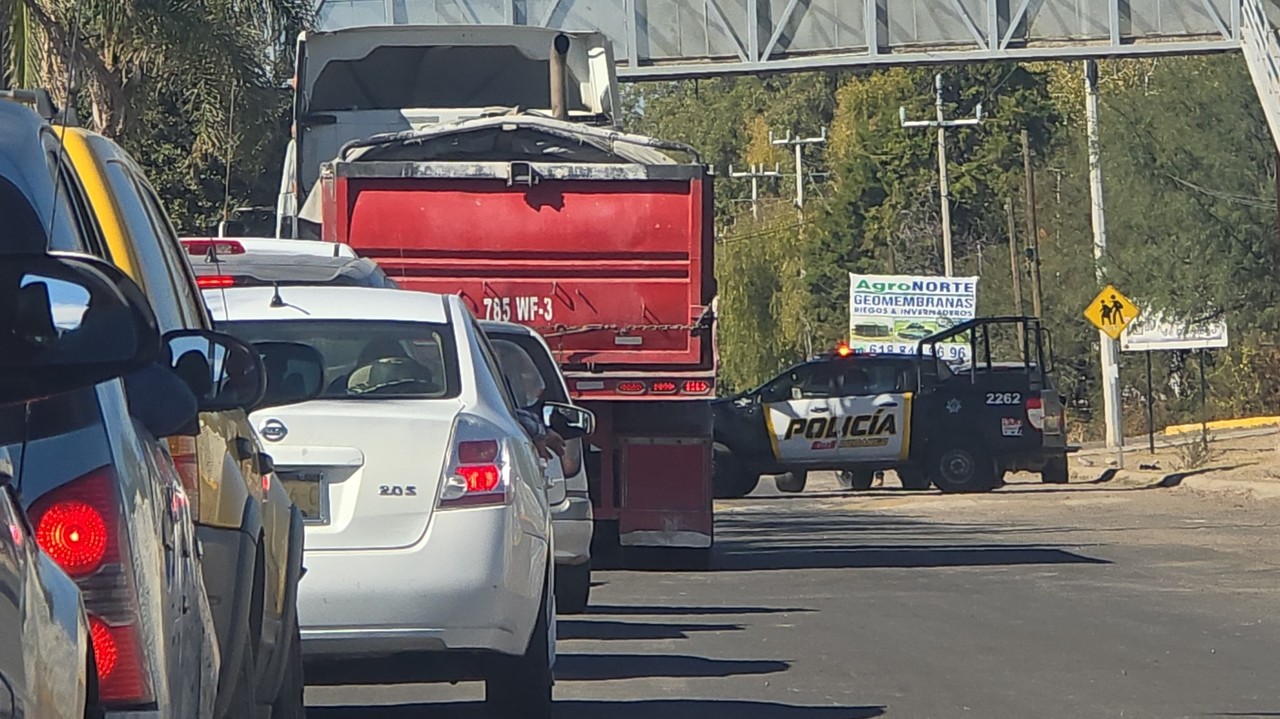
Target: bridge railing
column 1261, row 49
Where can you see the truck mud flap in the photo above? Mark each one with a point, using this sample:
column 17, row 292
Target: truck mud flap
column 666, row 492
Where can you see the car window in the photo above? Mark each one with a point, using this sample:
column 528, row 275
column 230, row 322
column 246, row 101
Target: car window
column 74, row 229
column 24, row 230
column 805, row 381
column 369, row 359
column 541, row 359
column 64, row 438
column 156, row 279
column 175, row 258
column 870, row 378
column 528, row 388
column 490, row 360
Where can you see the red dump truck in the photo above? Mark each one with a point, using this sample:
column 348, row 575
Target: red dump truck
column 599, row 240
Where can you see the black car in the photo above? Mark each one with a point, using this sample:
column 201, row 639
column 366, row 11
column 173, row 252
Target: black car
column 959, row 429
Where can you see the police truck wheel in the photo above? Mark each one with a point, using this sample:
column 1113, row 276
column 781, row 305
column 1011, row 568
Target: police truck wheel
column 856, row 479
column 959, row 469
column 791, row 482
column 729, row 478
column 913, row 479
column 1055, row 471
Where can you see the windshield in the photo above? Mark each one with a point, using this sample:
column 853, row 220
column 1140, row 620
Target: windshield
column 369, row 359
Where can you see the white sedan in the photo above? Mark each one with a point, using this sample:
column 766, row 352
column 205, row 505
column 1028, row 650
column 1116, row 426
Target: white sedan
column 428, row 527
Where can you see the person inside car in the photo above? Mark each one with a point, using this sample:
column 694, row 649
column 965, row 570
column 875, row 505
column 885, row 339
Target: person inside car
column 527, row 389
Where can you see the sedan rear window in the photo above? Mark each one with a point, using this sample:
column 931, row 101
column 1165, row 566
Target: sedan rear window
column 368, row 359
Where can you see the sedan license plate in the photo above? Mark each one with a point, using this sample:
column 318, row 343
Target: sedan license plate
column 309, row 492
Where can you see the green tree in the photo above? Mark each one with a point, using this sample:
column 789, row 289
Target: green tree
column 187, row 87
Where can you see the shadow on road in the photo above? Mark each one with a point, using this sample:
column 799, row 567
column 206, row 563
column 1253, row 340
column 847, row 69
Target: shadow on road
column 858, row 540
column 605, row 667
column 610, row 630
column 815, row 556
column 625, row 610
column 665, row 708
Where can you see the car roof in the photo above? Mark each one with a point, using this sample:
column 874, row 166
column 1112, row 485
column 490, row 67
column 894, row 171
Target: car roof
column 277, row 246
column 509, row 328
column 302, row 268
column 859, row 357
column 325, row 303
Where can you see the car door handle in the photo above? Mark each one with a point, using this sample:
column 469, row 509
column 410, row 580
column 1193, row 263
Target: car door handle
column 819, row 409
column 888, row 403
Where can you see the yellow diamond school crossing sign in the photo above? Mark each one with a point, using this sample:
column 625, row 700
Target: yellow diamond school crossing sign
column 1111, row 312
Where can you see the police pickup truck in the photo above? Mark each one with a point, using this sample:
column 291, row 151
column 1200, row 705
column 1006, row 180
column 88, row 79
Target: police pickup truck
column 959, row 428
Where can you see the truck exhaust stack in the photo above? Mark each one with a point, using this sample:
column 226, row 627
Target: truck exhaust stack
column 559, row 77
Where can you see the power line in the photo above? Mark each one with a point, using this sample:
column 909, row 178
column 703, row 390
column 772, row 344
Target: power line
column 799, row 143
column 942, row 123
column 755, row 173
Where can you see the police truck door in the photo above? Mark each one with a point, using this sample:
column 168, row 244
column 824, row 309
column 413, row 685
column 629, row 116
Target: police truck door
column 873, row 406
column 798, row 410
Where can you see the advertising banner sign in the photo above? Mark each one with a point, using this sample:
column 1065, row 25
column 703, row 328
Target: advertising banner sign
column 891, row 313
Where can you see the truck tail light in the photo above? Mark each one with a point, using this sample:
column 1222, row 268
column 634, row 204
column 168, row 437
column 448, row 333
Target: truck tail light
column 663, row 387
column 79, row 526
column 1035, row 412
column 477, row 475
column 215, row 282
column 186, row 461
column 631, row 387
column 697, row 386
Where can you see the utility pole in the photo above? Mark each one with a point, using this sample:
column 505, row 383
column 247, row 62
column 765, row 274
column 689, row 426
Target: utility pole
column 755, row 173
column 799, row 143
column 1033, row 227
column 1109, row 347
column 942, row 123
column 1014, row 266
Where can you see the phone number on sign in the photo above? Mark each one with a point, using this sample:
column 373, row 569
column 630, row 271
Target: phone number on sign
column 948, row 353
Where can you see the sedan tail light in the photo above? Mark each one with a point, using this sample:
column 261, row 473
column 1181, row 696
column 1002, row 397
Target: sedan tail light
column 571, row 462
column 183, row 450
column 476, row 475
column 79, row 525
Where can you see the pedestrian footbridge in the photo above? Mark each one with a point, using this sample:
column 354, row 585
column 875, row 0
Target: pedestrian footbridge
column 656, row 39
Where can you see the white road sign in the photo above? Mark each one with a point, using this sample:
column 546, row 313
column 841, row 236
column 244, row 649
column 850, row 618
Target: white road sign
column 1151, row 332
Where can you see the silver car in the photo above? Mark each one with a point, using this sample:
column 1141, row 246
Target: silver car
column 101, row 496
column 45, row 665
column 518, row 348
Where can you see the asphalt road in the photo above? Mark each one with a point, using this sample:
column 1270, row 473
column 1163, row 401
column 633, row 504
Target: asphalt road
column 1081, row 601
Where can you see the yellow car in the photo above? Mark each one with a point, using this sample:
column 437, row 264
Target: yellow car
column 250, row 533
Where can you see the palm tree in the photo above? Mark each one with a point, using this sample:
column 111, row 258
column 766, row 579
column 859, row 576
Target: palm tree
column 219, row 62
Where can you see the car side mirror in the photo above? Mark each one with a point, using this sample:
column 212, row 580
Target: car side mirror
column 569, row 421
column 294, row 373
column 266, row 465
column 222, row 372
column 69, row 321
